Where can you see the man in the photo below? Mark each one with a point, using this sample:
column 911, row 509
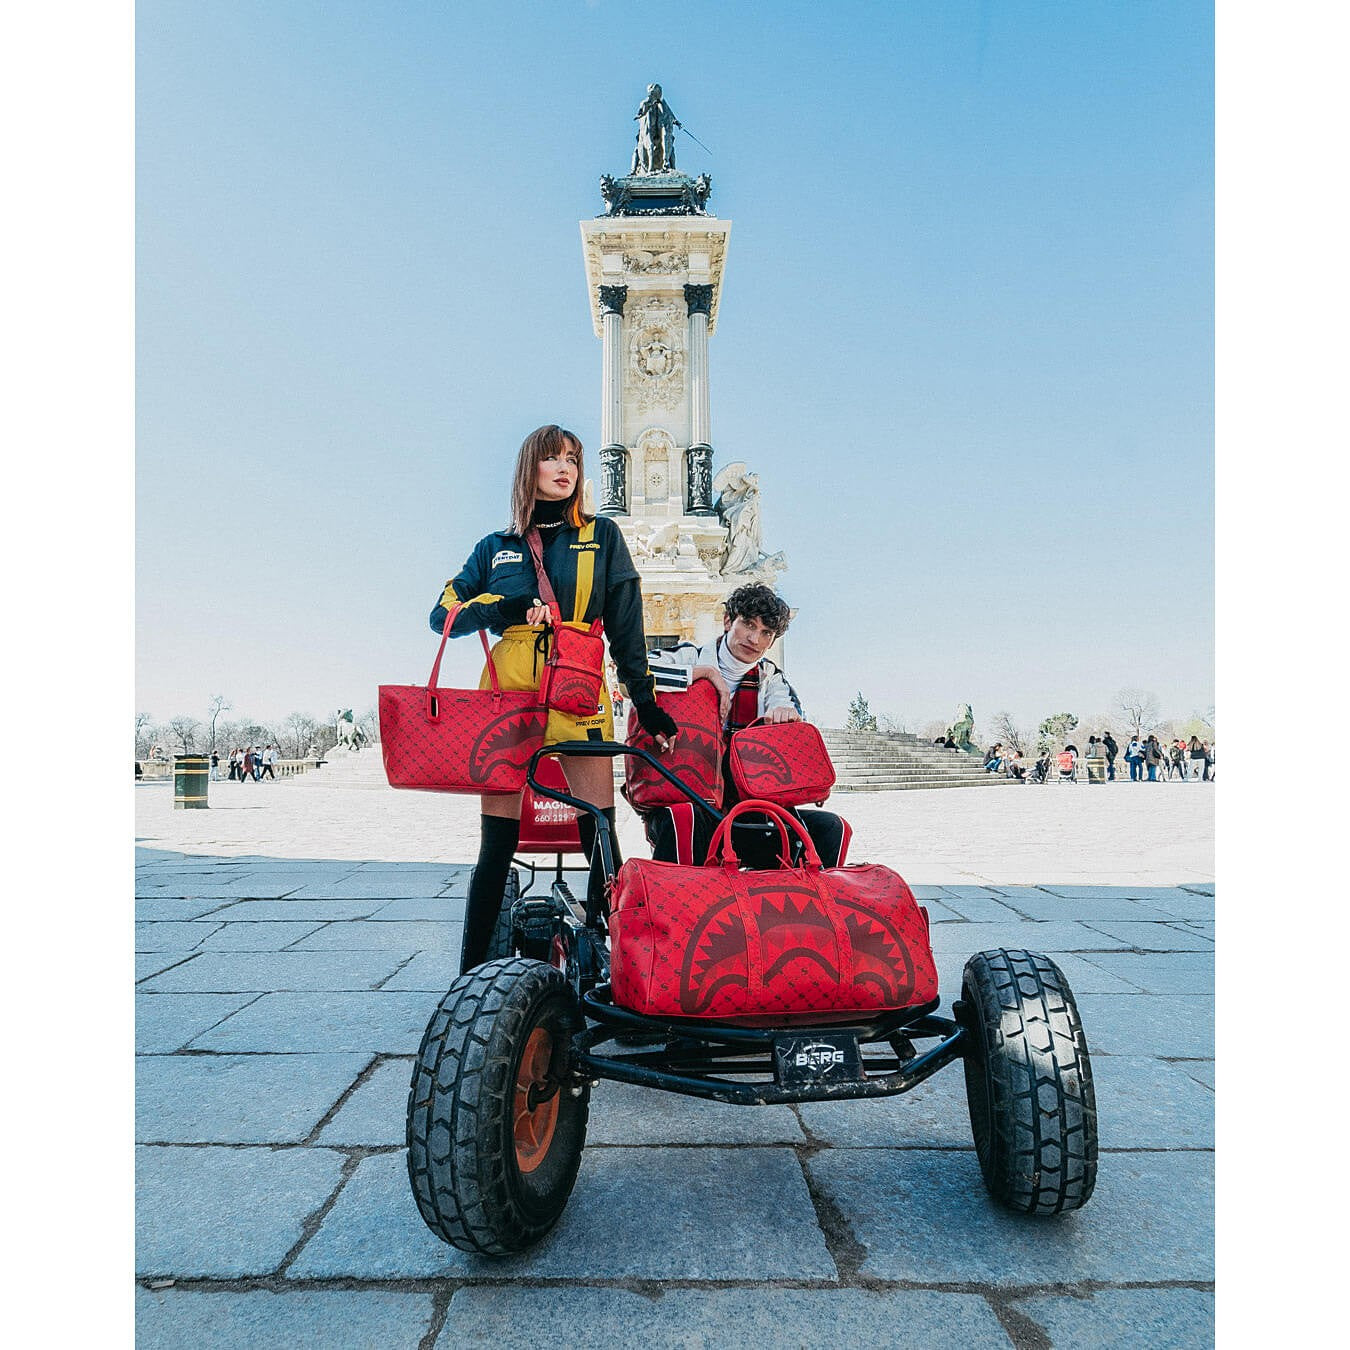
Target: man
column 749, row 687
column 1112, row 749
column 1134, row 757
column 993, row 758
column 269, row 758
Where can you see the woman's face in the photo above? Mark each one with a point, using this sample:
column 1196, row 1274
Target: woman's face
column 557, row 477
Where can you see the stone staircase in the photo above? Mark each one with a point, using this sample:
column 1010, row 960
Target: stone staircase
column 864, row 761
column 871, row 761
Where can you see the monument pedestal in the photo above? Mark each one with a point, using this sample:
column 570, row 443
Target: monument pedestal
column 654, row 263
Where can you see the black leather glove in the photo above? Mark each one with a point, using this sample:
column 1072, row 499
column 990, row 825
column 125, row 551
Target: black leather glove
column 656, row 721
column 514, row 608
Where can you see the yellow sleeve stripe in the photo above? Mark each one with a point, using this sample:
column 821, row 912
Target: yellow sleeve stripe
column 448, row 596
column 585, row 573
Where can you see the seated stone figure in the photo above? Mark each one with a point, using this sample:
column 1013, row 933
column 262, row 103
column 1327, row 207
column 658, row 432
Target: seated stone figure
column 750, row 687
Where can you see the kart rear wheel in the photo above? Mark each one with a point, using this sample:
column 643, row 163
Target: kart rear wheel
column 494, row 1131
column 1033, row 1111
column 499, row 944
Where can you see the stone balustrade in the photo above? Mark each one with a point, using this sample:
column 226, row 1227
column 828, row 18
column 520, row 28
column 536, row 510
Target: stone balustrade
column 161, row 770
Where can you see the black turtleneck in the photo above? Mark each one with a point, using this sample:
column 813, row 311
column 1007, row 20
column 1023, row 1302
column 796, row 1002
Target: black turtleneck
column 548, row 515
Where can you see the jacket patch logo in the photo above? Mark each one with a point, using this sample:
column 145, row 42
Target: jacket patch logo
column 584, row 548
column 506, row 555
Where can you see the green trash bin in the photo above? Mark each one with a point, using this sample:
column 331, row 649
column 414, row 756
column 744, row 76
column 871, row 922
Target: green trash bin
column 190, row 775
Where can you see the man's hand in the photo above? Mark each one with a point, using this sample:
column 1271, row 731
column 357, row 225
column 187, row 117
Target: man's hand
column 714, row 677
column 784, row 715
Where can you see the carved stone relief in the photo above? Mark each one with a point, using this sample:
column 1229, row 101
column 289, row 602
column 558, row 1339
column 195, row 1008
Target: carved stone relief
column 646, row 262
column 655, row 367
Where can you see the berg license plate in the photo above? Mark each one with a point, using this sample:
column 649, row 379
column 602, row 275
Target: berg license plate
column 823, row 1057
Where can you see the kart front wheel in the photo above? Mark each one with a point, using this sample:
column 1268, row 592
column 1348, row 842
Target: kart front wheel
column 495, row 1124
column 1033, row 1111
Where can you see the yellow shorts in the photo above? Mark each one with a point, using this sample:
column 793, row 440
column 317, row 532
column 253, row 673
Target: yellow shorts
column 519, row 666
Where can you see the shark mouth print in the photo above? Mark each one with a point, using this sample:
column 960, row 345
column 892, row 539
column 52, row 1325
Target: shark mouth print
column 696, row 759
column 576, row 692
column 761, row 766
column 797, row 949
column 505, row 745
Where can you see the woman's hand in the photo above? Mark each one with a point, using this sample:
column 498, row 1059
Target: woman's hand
column 784, row 715
column 714, row 677
column 537, row 612
column 658, row 724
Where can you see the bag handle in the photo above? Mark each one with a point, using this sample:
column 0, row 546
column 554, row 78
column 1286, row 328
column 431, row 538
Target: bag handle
column 721, row 839
column 433, row 710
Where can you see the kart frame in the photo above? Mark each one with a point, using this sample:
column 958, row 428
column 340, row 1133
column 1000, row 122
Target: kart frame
column 730, row 1062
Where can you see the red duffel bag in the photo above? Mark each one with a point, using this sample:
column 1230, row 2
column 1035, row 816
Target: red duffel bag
column 696, row 756
column 781, row 762
column 459, row 740
column 716, row 942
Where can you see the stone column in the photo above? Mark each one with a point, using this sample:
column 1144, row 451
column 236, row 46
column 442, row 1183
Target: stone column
column 698, row 474
column 613, row 456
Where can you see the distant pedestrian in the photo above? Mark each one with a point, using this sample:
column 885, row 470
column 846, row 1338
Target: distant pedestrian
column 1153, row 757
column 246, row 768
column 269, row 757
column 1196, row 755
column 215, row 767
column 993, row 758
column 1112, row 749
column 1134, row 757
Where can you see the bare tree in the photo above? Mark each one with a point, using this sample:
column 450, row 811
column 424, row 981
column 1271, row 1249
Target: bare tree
column 303, row 731
column 218, row 705
column 370, row 725
column 185, row 731
column 1140, row 708
column 1007, row 731
column 146, row 732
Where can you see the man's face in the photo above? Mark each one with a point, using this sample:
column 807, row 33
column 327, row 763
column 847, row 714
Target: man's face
column 748, row 639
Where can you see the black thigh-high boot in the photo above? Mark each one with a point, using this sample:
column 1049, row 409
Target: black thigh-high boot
column 595, row 886
column 497, row 846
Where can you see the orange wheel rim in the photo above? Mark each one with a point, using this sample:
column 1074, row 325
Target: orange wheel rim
column 534, row 1128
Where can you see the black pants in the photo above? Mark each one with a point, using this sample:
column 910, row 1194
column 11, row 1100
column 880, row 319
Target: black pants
column 267, row 773
column 756, row 844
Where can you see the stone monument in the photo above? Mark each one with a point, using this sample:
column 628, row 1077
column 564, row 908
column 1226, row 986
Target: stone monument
column 654, row 260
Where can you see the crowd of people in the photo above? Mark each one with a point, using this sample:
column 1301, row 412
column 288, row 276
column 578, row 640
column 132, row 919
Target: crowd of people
column 1147, row 758
column 247, row 763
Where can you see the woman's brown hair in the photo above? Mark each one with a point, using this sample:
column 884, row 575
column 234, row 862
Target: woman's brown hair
column 545, row 443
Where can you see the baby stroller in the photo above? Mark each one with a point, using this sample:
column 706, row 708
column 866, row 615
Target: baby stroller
column 1066, row 762
column 500, row 1092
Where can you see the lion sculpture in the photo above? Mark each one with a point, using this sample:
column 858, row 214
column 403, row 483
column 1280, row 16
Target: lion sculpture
column 960, row 730
column 349, row 735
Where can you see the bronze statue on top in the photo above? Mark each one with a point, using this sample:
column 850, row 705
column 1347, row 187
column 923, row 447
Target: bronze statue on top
column 655, row 149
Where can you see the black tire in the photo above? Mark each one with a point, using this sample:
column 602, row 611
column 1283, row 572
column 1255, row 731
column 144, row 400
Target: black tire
column 1033, row 1111
column 464, row 1154
column 499, row 944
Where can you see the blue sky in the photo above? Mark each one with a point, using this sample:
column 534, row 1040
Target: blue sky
column 965, row 335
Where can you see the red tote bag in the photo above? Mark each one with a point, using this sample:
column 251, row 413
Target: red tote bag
column 459, row 740
column 794, row 942
column 696, row 757
column 781, row 762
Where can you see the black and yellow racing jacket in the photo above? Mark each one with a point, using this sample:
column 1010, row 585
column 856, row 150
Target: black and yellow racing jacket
column 593, row 577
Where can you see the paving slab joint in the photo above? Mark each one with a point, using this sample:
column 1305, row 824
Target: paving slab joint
column 360, row 1080
column 315, row 1220
column 440, row 1310
column 1023, row 1332
column 846, row 1251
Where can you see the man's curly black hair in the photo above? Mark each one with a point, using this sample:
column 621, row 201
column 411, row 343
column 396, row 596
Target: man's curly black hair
column 762, row 603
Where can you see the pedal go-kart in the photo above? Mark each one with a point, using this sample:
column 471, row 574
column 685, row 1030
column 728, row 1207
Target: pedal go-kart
column 500, row 1092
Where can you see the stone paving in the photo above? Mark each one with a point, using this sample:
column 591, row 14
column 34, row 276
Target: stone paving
column 280, row 999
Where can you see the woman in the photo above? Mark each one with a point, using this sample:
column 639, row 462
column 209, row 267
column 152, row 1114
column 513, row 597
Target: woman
column 593, row 577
